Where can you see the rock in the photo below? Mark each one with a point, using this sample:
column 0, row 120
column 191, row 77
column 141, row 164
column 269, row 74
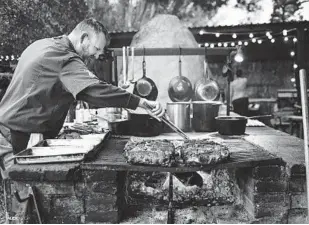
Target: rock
column 165, row 31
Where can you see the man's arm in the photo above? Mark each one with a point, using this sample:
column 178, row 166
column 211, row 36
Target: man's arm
column 106, row 95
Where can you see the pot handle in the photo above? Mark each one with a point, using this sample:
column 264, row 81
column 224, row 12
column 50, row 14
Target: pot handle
column 206, row 75
column 179, row 69
column 132, row 63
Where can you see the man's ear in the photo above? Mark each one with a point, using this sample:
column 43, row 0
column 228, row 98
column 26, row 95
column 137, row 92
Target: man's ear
column 82, row 38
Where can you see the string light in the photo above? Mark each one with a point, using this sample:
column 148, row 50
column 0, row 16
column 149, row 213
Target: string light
column 217, row 35
column 234, row 35
column 268, row 33
column 212, row 45
column 286, row 38
column 253, row 40
column 295, row 66
column 246, row 43
column 225, row 44
column 294, row 39
column 292, row 53
column 285, row 32
column 232, row 44
column 272, row 40
column 251, row 35
column 219, row 44
column 260, row 41
column 207, row 44
column 293, row 79
column 239, row 42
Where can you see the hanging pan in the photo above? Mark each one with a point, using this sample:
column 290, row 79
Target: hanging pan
column 180, row 88
column 206, row 89
column 145, row 87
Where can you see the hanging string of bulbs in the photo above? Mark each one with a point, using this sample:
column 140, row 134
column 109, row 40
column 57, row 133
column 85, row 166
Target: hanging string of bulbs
column 9, row 57
column 240, row 39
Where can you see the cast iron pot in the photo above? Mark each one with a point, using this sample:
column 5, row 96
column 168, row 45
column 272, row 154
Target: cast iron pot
column 231, row 125
column 119, row 127
column 144, row 125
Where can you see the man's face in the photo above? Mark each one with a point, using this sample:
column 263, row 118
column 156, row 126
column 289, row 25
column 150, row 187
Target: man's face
column 92, row 45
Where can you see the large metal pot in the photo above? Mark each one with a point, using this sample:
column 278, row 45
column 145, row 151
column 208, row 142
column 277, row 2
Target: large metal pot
column 204, row 114
column 179, row 114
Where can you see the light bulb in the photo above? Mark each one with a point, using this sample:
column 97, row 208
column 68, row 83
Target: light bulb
column 217, row 35
column 219, row 44
column 295, row 39
column 246, row 43
column 272, row 40
column 292, row 53
column 234, row 35
column 233, row 44
column 253, row 40
column 293, row 79
column 239, row 57
column 295, row 66
column 251, row 35
column 284, row 32
column 201, row 32
column 286, row 38
column 207, row 44
column 240, row 43
column 225, row 44
column 212, row 45
column 260, row 41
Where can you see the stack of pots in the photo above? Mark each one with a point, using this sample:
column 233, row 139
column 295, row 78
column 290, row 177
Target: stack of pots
column 203, row 113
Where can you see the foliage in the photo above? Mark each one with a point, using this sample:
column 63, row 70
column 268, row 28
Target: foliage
column 24, row 21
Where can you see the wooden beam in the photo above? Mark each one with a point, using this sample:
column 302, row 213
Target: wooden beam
column 176, row 51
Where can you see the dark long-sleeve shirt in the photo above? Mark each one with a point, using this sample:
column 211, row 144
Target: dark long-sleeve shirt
column 49, row 76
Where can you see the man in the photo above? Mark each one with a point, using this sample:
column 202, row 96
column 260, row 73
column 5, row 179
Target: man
column 239, row 95
column 50, row 75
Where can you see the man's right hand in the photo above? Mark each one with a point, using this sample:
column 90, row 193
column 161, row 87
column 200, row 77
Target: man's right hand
column 152, row 107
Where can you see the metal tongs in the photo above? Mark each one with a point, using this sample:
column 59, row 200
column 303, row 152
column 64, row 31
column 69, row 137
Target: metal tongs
column 165, row 119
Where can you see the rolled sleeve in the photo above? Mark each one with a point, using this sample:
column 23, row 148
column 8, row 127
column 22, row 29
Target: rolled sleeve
column 75, row 76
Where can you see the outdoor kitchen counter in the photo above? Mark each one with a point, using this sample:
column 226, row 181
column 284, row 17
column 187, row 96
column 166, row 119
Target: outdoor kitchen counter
column 259, row 146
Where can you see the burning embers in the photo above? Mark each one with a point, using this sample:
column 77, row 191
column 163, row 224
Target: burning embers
column 215, row 188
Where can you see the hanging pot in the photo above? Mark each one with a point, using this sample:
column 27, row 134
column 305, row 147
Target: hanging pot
column 206, row 89
column 145, row 87
column 180, row 88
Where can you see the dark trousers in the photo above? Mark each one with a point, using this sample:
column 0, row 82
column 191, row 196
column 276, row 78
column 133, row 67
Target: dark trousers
column 19, row 141
column 241, row 106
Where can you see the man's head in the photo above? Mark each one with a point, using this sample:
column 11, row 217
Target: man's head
column 239, row 73
column 90, row 38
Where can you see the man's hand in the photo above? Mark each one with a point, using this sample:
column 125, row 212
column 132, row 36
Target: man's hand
column 153, row 108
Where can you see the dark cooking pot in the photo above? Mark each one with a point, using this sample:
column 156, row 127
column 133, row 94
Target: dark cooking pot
column 231, row 125
column 144, row 125
column 119, row 127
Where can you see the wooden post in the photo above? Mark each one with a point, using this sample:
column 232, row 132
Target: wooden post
column 300, row 58
column 304, row 103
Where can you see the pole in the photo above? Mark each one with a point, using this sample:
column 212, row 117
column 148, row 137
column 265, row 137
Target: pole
column 304, row 103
